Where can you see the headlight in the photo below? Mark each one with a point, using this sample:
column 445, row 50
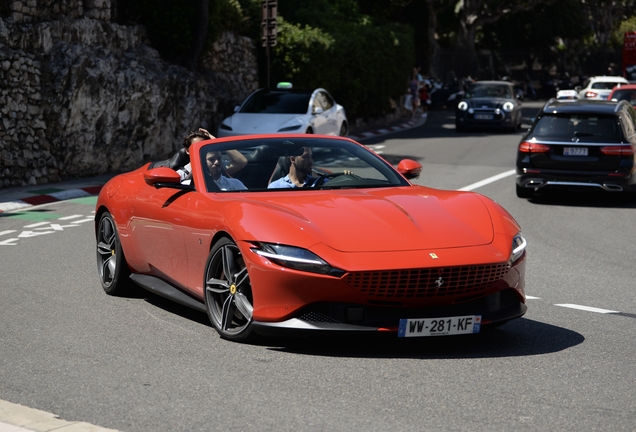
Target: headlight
column 518, row 247
column 289, row 128
column 295, row 258
column 508, row 106
column 462, row 106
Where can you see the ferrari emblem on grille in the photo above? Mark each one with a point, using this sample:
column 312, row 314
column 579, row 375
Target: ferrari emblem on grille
column 439, row 282
column 433, row 255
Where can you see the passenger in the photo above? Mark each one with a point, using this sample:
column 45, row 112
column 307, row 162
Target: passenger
column 215, row 168
column 299, row 172
column 236, row 163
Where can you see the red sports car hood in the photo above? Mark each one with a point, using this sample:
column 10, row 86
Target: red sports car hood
column 396, row 219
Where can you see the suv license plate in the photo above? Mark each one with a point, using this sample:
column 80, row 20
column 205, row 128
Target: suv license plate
column 414, row 327
column 575, row 151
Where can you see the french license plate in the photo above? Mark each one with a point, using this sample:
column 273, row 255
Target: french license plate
column 574, row 151
column 483, row 117
column 414, row 327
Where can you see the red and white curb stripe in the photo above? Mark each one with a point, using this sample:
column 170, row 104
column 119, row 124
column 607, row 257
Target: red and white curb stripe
column 49, row 198
column 391, row 129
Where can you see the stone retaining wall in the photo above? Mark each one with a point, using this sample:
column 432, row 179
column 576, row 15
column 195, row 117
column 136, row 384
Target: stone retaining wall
column 81, row 96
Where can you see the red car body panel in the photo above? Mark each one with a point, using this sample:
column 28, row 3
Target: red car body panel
column 168, row 233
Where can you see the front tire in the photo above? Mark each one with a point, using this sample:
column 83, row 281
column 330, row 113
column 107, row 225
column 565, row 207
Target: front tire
column 112, row 268
column 228, row 292
column 343, row 129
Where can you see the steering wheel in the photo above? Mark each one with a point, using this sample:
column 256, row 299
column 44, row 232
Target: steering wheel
column 324, row 177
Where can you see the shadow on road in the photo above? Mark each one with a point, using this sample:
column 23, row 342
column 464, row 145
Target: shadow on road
column 585, row 198
column 522, row 337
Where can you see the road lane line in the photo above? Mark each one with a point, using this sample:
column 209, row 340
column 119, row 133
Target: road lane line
column 587, row 308
column 6, row 232
column 70, row 217
column 36, row 224
column 488, row 180
column 532, row 298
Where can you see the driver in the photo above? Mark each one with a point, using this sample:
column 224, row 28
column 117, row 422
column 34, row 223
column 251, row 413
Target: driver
column 299, row 172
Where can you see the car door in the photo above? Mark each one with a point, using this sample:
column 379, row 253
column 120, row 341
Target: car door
column 156, row 227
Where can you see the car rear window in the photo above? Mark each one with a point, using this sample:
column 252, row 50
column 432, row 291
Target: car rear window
column 277, row 103
column 605, row 85
column 578, row 127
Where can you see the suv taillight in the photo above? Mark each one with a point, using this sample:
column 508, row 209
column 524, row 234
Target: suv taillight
column 532, row 147
column 622, row 150
column 590, row 94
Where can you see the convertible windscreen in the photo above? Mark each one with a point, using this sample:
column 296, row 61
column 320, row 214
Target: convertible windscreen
column 277, row 102
column 335, row 164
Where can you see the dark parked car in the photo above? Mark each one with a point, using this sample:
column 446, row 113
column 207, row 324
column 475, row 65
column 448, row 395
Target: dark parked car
column 577, row 144
column 491, row 104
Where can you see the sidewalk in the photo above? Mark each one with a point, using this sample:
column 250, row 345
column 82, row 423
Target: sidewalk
column 21, row 198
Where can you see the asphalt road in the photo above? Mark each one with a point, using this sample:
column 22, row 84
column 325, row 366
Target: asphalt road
column 144, row 364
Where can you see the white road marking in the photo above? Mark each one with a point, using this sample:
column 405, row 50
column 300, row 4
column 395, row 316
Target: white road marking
column 488, row 181
column 9, row 242
column 6, row 232
column 532, row 298
column 27, row 234
column 36, row 224
column 587, row 308
column 84, row 220
column 70, row 217
column 56, row 227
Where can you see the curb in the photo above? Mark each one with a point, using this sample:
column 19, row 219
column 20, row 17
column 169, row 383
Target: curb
column 18, row 418
column 397, row 128
column 54, row 195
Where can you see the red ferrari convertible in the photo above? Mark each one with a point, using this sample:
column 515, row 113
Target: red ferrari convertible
column 314, row 233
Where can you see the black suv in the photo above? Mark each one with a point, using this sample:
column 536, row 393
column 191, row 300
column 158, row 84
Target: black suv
column 577, row 144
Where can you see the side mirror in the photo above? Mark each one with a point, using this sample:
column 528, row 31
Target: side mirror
column 409, row 169
column 162, row 176
column 317, row 110
column 237, row 108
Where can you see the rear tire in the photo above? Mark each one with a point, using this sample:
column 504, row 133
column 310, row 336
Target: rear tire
column 523, row 192
column 112, row 268
column 343, row 129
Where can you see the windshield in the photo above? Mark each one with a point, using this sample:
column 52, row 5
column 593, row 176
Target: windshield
column 329, row 164
column 490, row 90
column 277, row 102
column 578, row 127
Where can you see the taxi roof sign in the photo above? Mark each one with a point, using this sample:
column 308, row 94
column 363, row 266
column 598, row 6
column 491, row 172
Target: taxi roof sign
column 284, row 85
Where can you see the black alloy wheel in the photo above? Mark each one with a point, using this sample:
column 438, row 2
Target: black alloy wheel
column 228, row 293
column 113, row 270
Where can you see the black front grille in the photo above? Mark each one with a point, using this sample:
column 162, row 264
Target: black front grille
column 429, row 282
